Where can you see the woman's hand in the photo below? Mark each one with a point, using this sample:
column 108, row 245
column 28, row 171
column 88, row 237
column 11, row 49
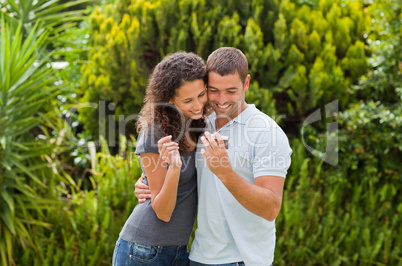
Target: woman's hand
column 169, row 152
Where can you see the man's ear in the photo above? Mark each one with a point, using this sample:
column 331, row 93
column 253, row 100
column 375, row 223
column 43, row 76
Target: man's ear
column 247, row 82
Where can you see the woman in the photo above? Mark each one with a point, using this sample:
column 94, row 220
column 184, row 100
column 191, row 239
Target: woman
column 157, row 232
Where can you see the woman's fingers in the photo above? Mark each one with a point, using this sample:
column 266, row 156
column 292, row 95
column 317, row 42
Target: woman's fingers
column 166, row 148
column 169, row 150
column 163, row 141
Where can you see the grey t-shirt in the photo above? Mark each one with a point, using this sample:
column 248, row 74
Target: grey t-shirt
column 143, row 226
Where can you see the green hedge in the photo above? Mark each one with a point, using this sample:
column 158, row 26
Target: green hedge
column 351, row 213
column 301, row 55
column 86, row 223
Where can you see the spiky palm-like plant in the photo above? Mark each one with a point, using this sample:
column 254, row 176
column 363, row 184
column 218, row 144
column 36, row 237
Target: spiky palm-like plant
column 26, row 87
column 55, row 15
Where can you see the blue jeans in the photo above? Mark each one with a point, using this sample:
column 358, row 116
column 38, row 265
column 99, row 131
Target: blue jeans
column 127, row 253
column 240, row 263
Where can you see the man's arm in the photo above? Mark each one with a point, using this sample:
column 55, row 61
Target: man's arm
column 142, row 191
column 264, row 198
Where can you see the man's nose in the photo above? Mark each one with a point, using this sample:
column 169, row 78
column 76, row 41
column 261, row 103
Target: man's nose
column 221, row 99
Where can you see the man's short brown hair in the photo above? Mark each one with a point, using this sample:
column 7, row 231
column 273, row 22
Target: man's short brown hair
column 228, row 60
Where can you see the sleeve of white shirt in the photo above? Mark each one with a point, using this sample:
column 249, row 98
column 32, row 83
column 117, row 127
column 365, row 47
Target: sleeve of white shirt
column 271, row 156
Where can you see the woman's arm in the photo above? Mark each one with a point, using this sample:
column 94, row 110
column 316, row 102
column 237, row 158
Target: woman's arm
column 163, row 181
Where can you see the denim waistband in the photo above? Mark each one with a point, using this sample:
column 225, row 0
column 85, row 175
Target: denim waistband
column 179, row 248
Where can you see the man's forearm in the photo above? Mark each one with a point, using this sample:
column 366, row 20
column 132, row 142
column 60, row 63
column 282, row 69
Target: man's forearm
column 257, row 199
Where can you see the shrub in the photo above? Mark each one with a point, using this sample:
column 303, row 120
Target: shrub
column 299, row 54
column 86, row 223
column 351, row 213
column 344, row 215
column 26, row 174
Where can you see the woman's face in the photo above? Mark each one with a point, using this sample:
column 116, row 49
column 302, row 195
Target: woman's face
column 190, row 98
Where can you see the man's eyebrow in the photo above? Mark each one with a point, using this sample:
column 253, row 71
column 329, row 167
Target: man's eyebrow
column 227, row 89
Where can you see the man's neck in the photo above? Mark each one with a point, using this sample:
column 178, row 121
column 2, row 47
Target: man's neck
column 222, row 121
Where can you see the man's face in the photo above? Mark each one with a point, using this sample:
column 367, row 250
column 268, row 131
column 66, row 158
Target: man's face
column 227, row 93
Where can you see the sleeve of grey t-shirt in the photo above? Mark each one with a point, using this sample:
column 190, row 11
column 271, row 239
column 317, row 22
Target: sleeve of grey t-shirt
column 147, row 141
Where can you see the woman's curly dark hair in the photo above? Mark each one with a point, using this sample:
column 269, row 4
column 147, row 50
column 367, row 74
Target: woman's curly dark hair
column 169, row 75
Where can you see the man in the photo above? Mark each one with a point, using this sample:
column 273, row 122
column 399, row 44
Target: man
column 239, row 188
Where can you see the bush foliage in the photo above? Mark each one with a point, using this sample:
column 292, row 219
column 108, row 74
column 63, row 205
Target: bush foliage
column 302, row 55
column 351, row 213
column 85, row 223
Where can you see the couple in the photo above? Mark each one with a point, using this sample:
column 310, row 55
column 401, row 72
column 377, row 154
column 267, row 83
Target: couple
column 239, row 188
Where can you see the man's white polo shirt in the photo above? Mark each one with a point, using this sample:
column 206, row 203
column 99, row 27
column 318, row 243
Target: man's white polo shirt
column 227, row 232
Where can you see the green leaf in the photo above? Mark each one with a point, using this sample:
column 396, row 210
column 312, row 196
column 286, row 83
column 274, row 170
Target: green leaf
column 287, row 78
column 8, row 220
column 26, row 170
column 3, row 248
column 4, row 194
column 56, row 9
column 3, row 142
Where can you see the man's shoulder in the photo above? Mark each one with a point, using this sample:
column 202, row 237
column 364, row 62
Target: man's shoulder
column 262, row 126
column 256, row 117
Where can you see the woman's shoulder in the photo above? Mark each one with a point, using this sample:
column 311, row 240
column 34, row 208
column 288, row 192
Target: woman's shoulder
column 147, row 140
column 152, row 129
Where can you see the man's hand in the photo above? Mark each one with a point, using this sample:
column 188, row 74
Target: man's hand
column 142, row 191
column 215, row 155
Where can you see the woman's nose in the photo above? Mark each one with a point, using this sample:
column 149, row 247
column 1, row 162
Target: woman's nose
column 197, row 104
